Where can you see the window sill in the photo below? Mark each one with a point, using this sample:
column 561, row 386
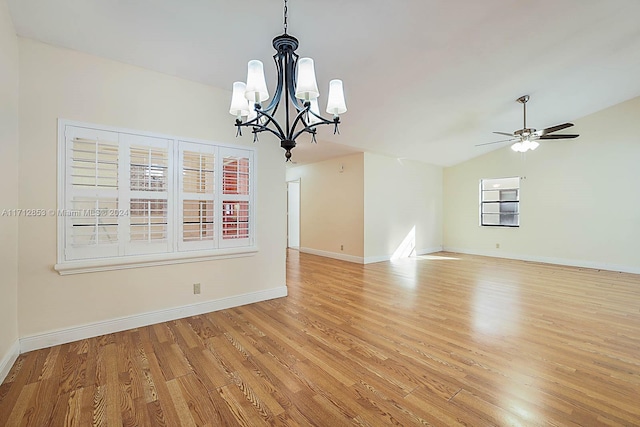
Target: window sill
column 108, row 264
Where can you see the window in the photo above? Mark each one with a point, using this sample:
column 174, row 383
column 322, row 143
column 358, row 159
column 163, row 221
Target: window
column 125, row 194
column 500, row 202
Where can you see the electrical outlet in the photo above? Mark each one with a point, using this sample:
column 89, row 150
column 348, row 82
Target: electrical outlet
column 342, row 247
column 497, row 245
column 196, row 288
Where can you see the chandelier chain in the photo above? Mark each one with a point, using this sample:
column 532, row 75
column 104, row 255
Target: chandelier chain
column 286, row 16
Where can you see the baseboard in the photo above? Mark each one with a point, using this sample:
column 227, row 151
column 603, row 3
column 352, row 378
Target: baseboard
column 334, row 255
column 383, row 258
column 378, row 258
column 362, row 260
column 548, row 260
column 7, row 361
column 62, row 336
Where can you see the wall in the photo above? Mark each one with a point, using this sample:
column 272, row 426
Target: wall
column 403, row 203
column 332, row 207
column 59, row 83
column 8, row 191
column 579, row 201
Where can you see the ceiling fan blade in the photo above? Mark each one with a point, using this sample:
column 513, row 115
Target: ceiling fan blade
column 504, row 133
column 566, row 136
column 498, row 142
column 554, row 129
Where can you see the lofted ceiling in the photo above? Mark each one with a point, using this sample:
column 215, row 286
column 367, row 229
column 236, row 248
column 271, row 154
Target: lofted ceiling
column 424, row 79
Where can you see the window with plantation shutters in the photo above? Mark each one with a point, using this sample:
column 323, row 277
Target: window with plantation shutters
column 91, row 193
column 236, row 205
column 157, row 199
column 197, row 193
column 147, row 196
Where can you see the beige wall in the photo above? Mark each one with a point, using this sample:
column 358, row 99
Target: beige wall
column 332, row 205
column 579, row 201
column 8, row 188
column 59, row 83
column 401, row 197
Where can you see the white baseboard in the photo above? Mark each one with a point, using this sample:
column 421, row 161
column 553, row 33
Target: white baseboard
column 382, row 258
column 335, row 255
column 62, row 336
column 548, row 260
column 7, row 361
column 362, row 260
column 378, row 258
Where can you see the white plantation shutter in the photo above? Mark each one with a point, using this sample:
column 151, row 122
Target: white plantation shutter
column 91, row 193
column 196, row 187
column 127, row 194
column 236, row 208
column 146, row 193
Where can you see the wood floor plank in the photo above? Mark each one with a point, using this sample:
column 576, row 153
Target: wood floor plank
column 444, row 339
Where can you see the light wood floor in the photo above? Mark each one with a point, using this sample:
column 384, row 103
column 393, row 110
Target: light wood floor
column 440, row 340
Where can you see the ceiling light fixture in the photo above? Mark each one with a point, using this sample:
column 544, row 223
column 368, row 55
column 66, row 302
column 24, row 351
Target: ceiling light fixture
column 297, row 82
column 526, row 139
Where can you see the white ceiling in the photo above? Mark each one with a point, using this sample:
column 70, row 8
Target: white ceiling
column 424, row 79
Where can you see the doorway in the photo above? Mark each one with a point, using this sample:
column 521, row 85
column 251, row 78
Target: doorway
column 293, row 214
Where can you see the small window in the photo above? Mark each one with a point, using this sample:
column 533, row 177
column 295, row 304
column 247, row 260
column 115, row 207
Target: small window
column 500, row 202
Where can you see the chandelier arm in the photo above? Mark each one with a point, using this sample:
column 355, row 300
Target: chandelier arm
column 257, row 128
column 291, row 64
column 312, row 128
column 324, row 121
column 260, row 127
column 299, row 117
column 275, row 101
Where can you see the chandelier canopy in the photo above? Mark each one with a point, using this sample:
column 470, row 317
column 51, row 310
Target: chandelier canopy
column 297, row 85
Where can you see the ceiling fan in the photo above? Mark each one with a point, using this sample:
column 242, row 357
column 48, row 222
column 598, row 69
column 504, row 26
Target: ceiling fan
column 525, row 139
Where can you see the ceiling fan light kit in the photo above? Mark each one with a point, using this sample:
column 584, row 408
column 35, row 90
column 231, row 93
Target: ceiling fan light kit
column 526, row 139
column 296, row 83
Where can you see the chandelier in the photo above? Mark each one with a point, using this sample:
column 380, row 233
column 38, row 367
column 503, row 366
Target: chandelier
column 297, row 85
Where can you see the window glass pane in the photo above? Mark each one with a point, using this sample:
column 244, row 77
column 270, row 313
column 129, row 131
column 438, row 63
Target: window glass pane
column 490, row 219
column 491, row 196
column 94, row 163
column 197, row 220
column 197, row 172
column 491, row 208
column 509, row 207
column 149, row 167
column 235, row 175
column 508, row 219
column 93, row 221
column 148, row 219
column 509, row 195
column 235, row 220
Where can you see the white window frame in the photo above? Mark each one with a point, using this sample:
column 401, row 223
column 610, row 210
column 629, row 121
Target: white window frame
column 500, row 184
column 174, row 250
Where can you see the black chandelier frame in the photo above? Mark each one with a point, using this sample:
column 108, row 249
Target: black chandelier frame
column 286, row 60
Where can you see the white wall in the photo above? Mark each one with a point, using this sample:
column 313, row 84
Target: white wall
column 8, row 190
column 401, row 196
column 332, row 206
column 59, row 83
column 580, row 204
column 369, row 203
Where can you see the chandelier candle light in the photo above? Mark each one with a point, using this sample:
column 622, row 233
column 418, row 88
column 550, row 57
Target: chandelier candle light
column 297, row 82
